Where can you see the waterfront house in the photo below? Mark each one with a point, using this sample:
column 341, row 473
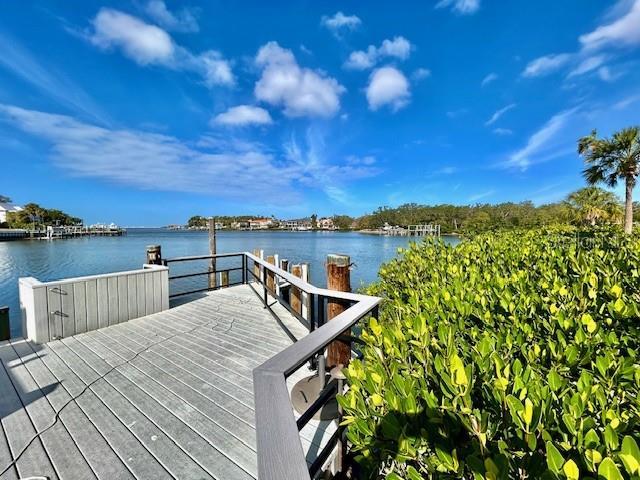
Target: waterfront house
column 260, row 223
column 297, row 224
column 326, row 224
column 6, row 208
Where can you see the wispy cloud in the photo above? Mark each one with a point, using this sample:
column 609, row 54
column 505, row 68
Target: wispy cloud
column 496, row 116
column 463, row 7
column 502, row 131
column 243, row 115
column 543, row 145
column 182, row 21
column 310, row 157
column 623, row 31
column 492, row 77
column 54, row 85
column 126, row 156
column 398, row 48
column 545, row 65
column 481, row 195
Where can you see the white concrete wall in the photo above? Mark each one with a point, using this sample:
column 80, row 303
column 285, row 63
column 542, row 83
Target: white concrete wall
column 62, row 308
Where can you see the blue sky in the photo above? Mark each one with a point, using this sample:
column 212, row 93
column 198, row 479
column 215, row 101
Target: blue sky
column 145, row 112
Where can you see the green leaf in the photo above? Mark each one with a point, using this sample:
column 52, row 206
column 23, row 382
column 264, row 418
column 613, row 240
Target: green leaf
column 554, row 458
column 555, row 380
column 630, row 455
column 609, row 471
column 570, row 470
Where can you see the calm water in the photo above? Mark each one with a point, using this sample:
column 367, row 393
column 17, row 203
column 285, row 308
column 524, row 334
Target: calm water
column 52, row 260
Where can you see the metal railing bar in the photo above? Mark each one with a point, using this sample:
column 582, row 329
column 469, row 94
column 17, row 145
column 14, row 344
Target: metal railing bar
column 208, row 289
column 325, row 452
column 326, row 393
column 285, row 304
column 290, row 359
column 204, row 273
column 203, row 257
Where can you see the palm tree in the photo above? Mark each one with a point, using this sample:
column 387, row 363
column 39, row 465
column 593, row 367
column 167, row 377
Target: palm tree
column 594, row 205
column 611, row 159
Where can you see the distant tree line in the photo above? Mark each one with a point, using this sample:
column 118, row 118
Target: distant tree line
column 587, row 206
column 33, row 214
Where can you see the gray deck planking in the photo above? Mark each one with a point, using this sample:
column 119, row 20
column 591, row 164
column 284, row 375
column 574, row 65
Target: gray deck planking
column 168, row 395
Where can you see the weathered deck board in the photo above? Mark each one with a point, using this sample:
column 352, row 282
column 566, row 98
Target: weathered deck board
column 168, row 395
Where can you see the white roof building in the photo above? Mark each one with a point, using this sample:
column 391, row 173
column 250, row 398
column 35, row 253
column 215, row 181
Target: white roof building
column 7, row 208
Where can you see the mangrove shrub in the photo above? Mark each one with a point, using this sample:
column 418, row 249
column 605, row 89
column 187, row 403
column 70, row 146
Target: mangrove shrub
column 511, row 355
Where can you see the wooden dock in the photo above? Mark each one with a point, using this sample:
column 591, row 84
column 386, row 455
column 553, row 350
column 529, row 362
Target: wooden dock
column 167, row 395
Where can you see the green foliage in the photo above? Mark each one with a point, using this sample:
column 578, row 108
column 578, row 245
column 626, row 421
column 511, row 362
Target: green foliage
column 508, row 356
column 472, row 218
column 43, row 216
column 593, row 206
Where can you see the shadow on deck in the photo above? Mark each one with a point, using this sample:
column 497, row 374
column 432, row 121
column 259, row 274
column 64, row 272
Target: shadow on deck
column 168, row 395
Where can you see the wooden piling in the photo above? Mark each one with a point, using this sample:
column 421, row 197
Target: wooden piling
column 256, row 267
column 224, row 279
column 154, row 255
column 338, row 278
column 5, row 330
column 295, row 296
column 271, row 279
column 212, row 251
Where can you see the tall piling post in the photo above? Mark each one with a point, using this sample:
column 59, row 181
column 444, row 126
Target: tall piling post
column 212, row 252
column 154, row 255
column 295, row 295
column 338, row 278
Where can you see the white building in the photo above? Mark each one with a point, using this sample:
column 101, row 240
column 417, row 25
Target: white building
column 260, row 223
column 326, row 224
column 7, row 208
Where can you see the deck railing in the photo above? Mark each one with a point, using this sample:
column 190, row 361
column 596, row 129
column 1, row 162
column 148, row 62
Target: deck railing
column 280, row 452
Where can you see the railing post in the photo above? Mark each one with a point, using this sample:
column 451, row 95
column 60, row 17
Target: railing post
column 212, row 252
column 338, row 278
column 154, row 255
column 244, row 269
column 295, row 295
column 5, row 329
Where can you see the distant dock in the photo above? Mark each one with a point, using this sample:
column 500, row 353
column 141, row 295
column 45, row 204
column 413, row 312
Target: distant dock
column 420, row 230
column 54, row 233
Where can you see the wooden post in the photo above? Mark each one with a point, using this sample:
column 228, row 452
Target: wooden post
column 271, row 280
column 5, row 330
column 224, row 279
column 212, row 251
column 295, row 297
column 284, row 264
column 256, row 267
column 338, row 278
column 306, row 298
column 154, row 255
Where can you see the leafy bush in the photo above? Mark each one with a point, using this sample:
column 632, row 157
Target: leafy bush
column 511, row 355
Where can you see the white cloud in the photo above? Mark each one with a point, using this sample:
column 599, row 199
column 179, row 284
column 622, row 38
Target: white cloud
column 150, row 45
column 624, row 31
column 242, row 115
column 492, row 77
column 399, row 48
column 341, row 22
column 301, row 91
column 215, row 69
column 183, row 21
column 543, row 144
column 502, row 131
column 144, row 43
column 366, row 160
column 463, row 7
column 546, row 65
column 587, row 65
column 388, row 86
column 420, row 74
column 496, row 116
column 126, row 156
